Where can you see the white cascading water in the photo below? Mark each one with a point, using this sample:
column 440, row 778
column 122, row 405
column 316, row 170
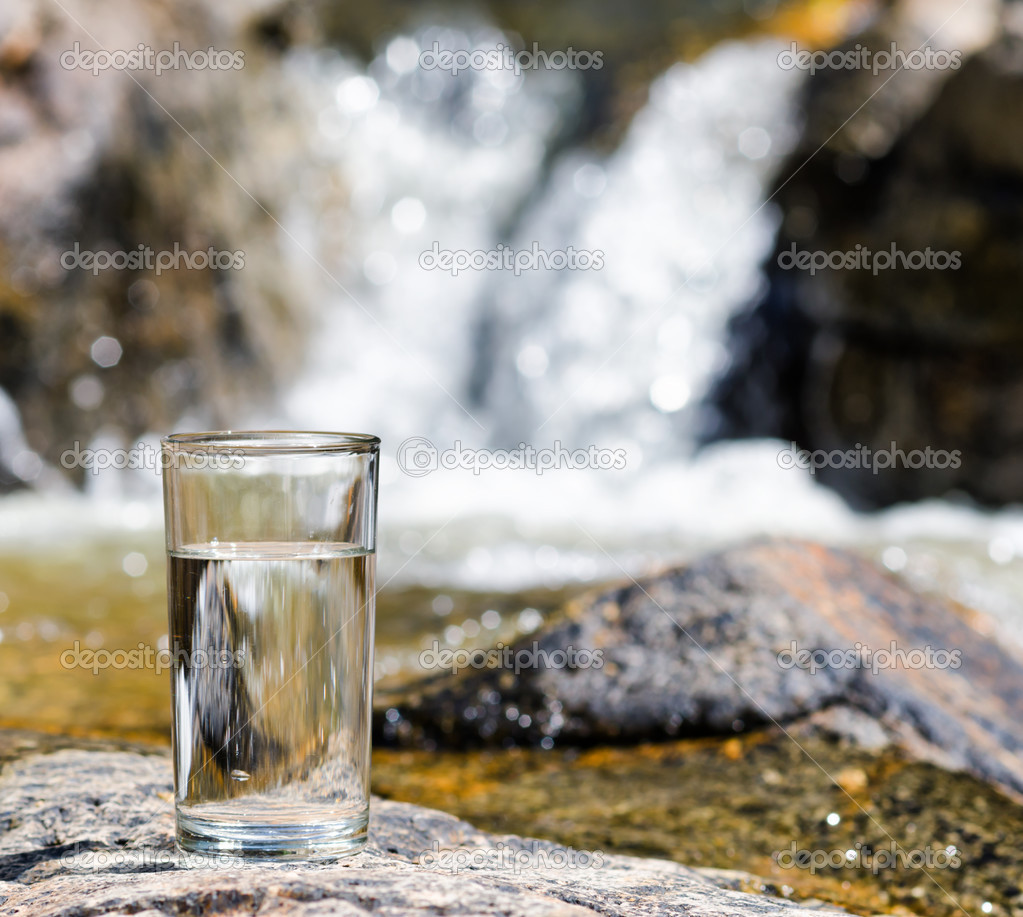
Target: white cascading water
column 619, row 355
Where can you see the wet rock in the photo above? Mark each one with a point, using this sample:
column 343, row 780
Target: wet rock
column 91, row 832
column 709, row 648
column 919, row 358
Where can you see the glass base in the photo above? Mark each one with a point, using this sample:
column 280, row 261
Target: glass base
column 251, row 838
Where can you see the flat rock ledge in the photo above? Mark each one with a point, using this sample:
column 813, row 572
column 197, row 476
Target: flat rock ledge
column 86, row 833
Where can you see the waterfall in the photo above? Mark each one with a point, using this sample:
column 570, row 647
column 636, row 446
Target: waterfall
column 619, row 355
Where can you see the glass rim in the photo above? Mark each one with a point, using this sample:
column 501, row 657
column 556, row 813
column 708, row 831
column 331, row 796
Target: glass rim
column 273, row 442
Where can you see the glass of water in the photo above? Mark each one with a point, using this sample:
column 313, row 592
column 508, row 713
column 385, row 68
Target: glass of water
column 271, row 565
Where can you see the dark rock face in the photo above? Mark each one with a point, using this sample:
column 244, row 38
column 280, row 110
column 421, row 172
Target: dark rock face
column 86, row 832
column 925, row 357
column 706, row 649
column 96, row 160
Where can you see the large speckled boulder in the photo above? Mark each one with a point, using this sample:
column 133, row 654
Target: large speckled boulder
column 90, row 832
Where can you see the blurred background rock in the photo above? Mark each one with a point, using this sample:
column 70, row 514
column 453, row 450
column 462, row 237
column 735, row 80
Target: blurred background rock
column 110, row 165
column 843, row 358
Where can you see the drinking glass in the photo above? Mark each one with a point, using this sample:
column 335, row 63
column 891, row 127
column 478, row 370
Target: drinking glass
column 271, row 577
